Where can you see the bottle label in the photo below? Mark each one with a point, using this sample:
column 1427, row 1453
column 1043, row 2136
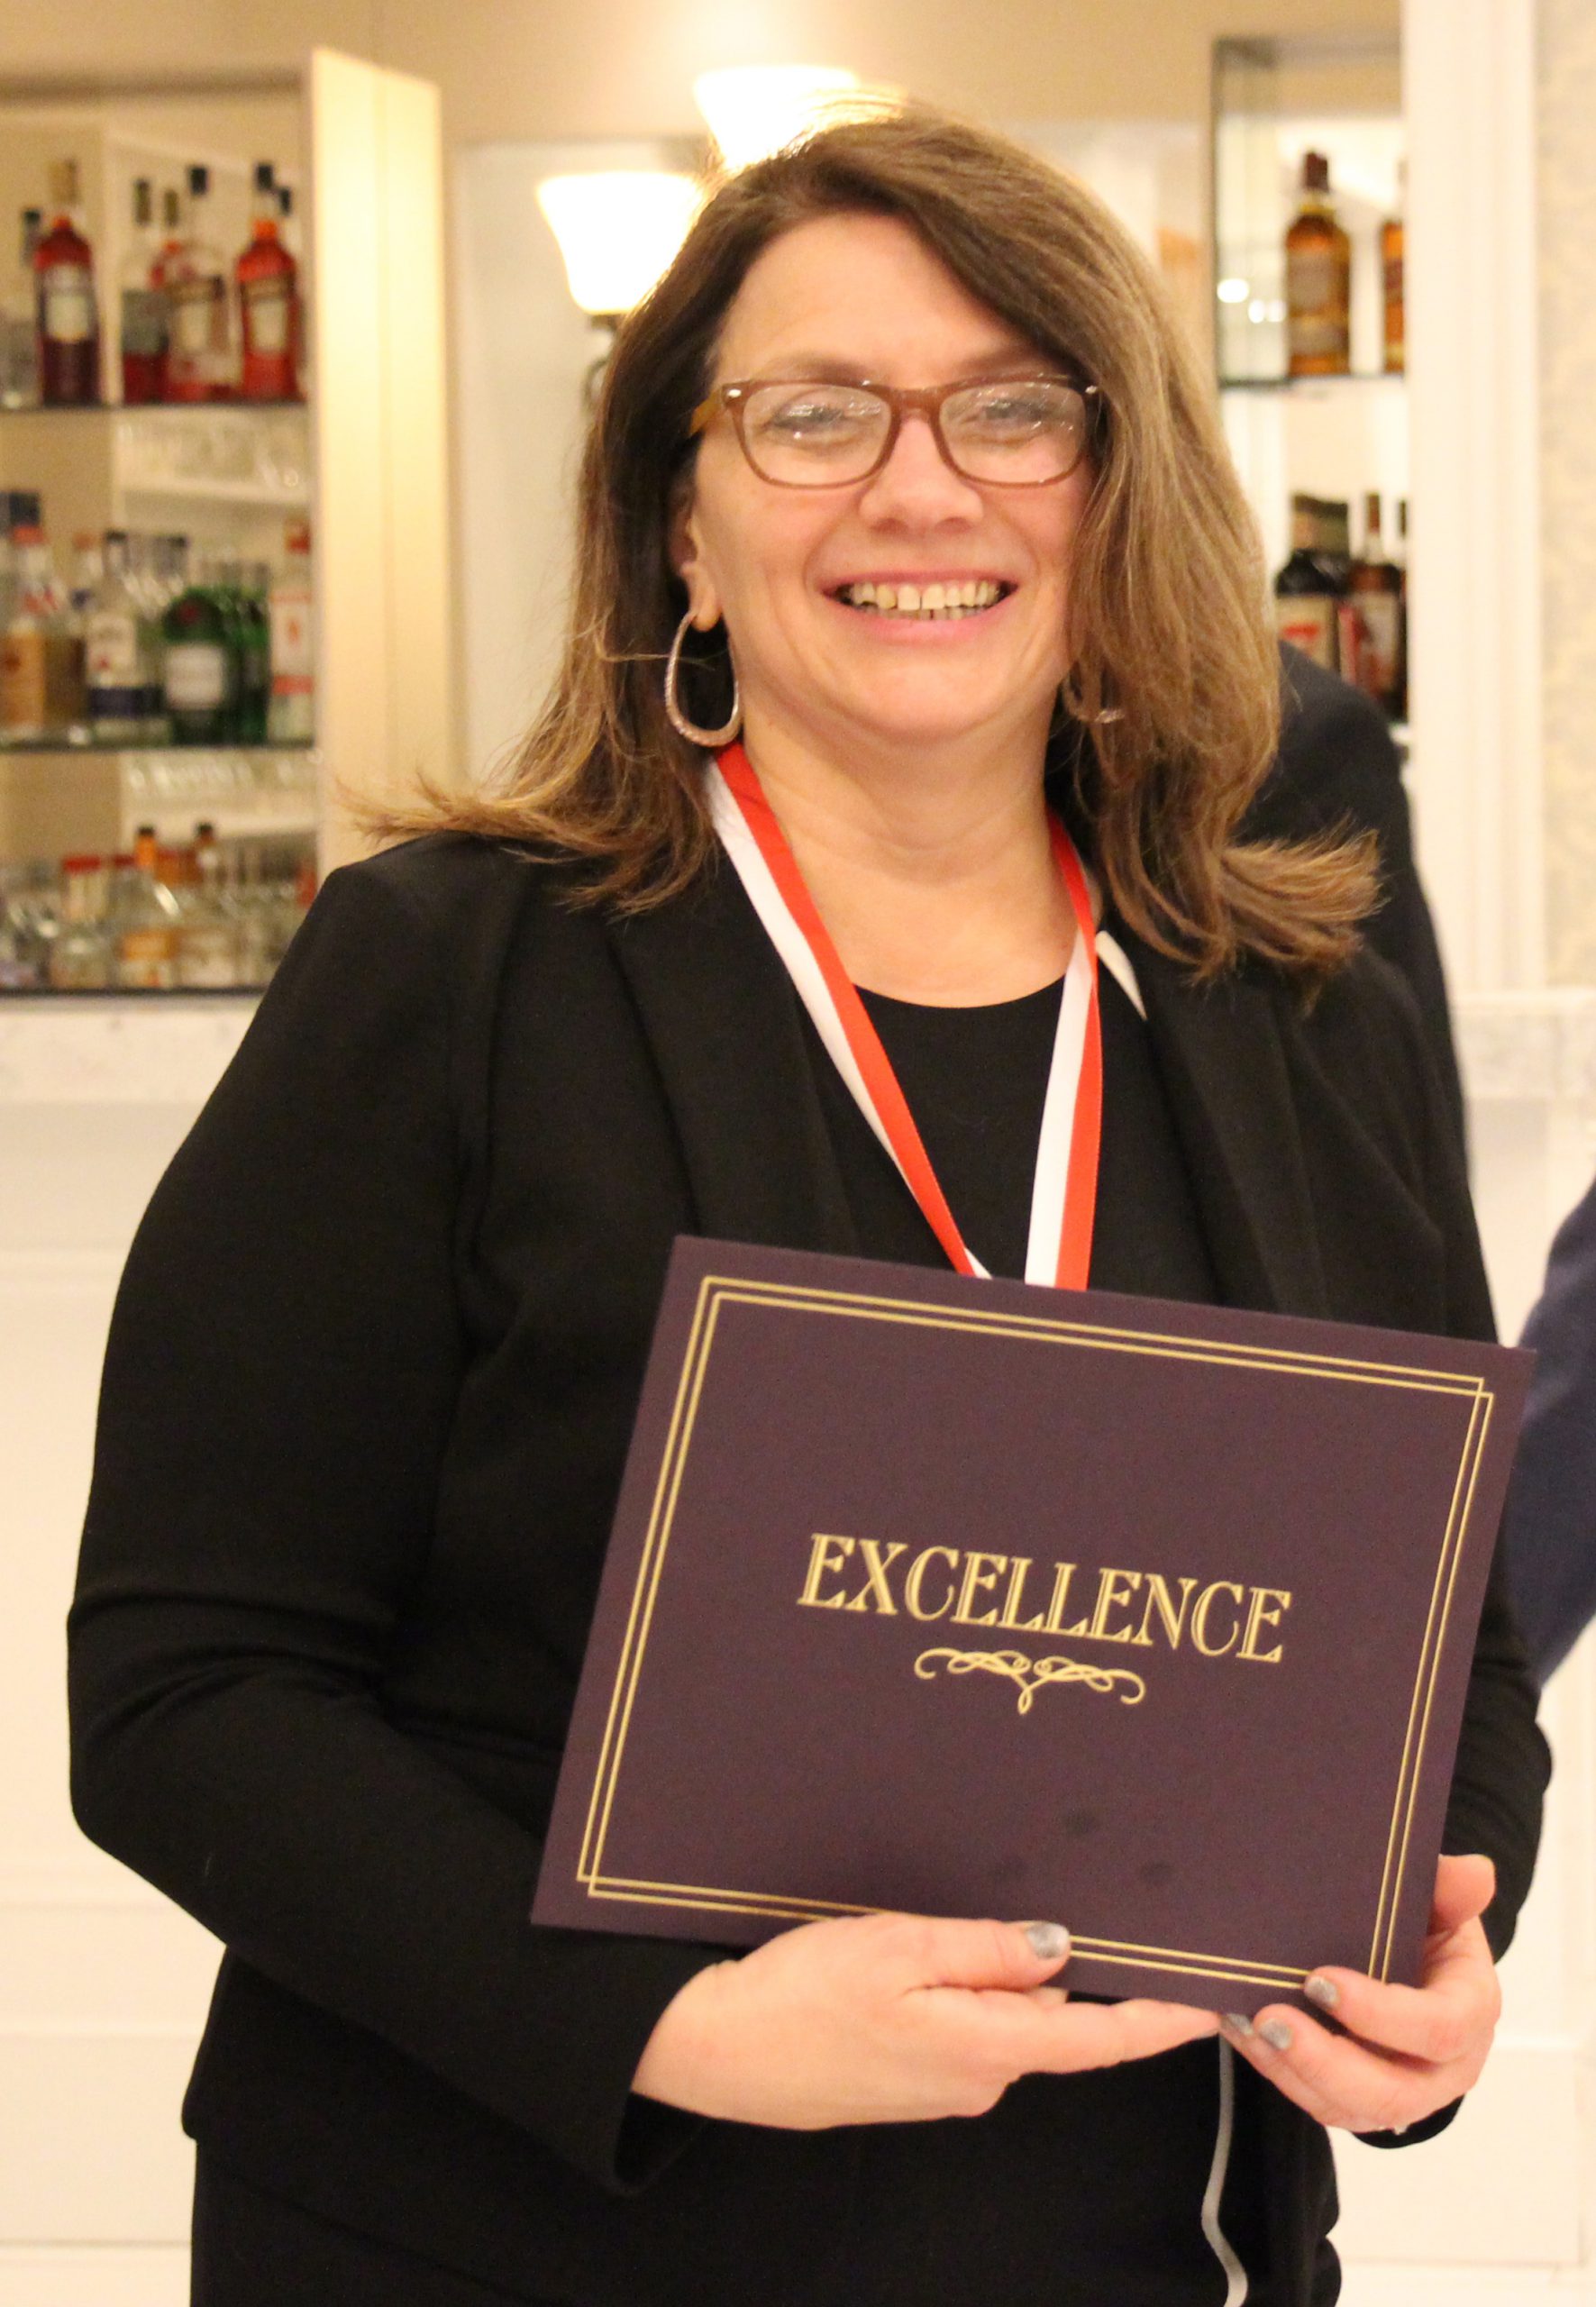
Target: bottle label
column 113, row 638
column 144, row 957
column 199, row 315
column 1316, row 324
column 143, row 323
column 66, row 304
column 292, row 641
column 23, row 683
column 1308, row 620
column 196, row 675
column 1379, row 615
column 269, row 314
column 205, row 954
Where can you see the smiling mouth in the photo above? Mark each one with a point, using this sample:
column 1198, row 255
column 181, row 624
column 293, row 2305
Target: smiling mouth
column 970, row 596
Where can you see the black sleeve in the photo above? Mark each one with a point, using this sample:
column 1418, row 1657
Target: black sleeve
column 1551, row 1520
column 1339, row 769
column 281, row 1379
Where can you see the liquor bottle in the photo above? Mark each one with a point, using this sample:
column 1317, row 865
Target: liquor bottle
column 1318, row 281
column 170, row 245
column 119, row 674
column 201, row 359
column 143, row 304
column 1334, row 553
column 292, row 713
column 1400, row 561
column 269, row 302
column 146, row 939
column 19, row 323
column 41, row 653
column 80, row 956
column 68, row 316
column 1376, row 587
column 1393, row 298
column 199, row 664
column 207, row 941
column 1306, row 603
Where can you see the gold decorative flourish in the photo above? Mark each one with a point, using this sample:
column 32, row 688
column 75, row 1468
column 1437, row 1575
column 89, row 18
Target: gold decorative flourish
column 1031, row 1674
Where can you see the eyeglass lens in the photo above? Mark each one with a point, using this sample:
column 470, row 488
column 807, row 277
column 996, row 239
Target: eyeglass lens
column 812, row 435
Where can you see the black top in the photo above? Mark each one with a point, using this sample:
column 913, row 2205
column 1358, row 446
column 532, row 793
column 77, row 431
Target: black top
column 1140, row 2143
column 367, row 1392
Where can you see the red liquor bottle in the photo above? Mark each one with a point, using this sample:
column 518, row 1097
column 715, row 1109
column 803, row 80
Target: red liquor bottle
column 269, row 302
column 68, row 318
column 143, row 305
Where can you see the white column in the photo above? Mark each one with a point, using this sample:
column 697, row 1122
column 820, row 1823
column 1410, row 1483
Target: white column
column 1469, row 87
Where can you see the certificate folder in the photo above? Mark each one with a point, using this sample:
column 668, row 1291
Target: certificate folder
column 970, row 1598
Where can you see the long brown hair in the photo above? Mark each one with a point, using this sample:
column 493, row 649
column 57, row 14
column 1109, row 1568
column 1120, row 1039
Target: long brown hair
column 1167, row 587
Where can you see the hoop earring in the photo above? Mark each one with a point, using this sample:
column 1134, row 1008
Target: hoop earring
column 711, row 740
column 1071, row 699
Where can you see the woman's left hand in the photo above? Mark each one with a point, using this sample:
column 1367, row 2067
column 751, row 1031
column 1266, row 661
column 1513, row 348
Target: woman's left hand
column 1407, row 2051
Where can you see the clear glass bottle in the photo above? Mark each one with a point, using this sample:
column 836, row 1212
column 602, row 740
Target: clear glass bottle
column 119, row 669
column 207, row 943
column 148, row 921
column 142, row 304
column 19, row 323
column 202, row 355
column 81, row 957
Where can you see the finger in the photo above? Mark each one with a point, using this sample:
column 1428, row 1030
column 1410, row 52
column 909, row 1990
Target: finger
column 1337, row 2081
column 929, row 1951
column 1031, row 2041
column 1464, row 1888
column 1453, row 2014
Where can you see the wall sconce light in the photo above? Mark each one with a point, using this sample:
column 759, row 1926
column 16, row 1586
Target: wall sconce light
column 618, row 229
column 754, row 109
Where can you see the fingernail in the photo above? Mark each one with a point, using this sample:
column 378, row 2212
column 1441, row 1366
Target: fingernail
column 1276, row 2034
column 1238, row 2023
column 1324, row 1991
column 1048, row 1941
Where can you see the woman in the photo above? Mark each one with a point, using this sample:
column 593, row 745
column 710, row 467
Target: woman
column 373, row 1369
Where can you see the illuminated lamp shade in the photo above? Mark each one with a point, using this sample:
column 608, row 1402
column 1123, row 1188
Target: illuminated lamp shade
column 618, row 229
column 754, row 109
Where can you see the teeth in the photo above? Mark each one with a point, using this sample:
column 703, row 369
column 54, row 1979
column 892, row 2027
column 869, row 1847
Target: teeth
column 939, row 600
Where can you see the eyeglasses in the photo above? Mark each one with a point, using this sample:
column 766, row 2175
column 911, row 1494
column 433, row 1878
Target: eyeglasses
column 1007, row 432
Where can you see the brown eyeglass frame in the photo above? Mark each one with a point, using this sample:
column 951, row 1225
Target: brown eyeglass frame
column 921, row 400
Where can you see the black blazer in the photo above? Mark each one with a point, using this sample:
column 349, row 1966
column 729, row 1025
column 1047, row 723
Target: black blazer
column 367, row 1397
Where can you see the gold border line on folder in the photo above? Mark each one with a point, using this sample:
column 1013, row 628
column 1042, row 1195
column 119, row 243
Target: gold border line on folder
column 716, row 1290
column 1479, row 1428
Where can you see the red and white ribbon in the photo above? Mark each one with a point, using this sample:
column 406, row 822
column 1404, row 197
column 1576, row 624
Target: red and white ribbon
column 1064, row 1194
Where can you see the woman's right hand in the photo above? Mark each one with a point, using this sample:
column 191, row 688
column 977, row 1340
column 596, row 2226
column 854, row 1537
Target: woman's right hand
column 888, row 2019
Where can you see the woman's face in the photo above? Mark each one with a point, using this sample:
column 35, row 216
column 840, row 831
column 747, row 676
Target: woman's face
column 861, row 297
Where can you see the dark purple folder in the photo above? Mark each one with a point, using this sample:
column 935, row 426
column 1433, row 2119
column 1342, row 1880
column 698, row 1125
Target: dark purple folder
column 970, row 1597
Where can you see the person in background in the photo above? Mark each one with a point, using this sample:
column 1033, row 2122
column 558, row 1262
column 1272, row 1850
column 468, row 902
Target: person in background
column 1549, row 1527
column 1338, row 770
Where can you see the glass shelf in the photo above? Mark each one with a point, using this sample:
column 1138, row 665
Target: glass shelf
column 102, row 748
column 149, row 407
column 1392, row 378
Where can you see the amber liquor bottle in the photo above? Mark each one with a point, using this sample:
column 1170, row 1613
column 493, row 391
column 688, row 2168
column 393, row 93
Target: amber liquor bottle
column 269, row 302
column 1393, row 235
column 1318, row 281
column 68, row 315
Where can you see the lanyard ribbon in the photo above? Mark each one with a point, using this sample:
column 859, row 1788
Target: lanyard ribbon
column 1064, row 1194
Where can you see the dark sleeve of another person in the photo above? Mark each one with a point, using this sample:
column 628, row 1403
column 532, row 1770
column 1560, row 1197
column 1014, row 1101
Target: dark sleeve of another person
column 1550, row 1530
column 1337, row 769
